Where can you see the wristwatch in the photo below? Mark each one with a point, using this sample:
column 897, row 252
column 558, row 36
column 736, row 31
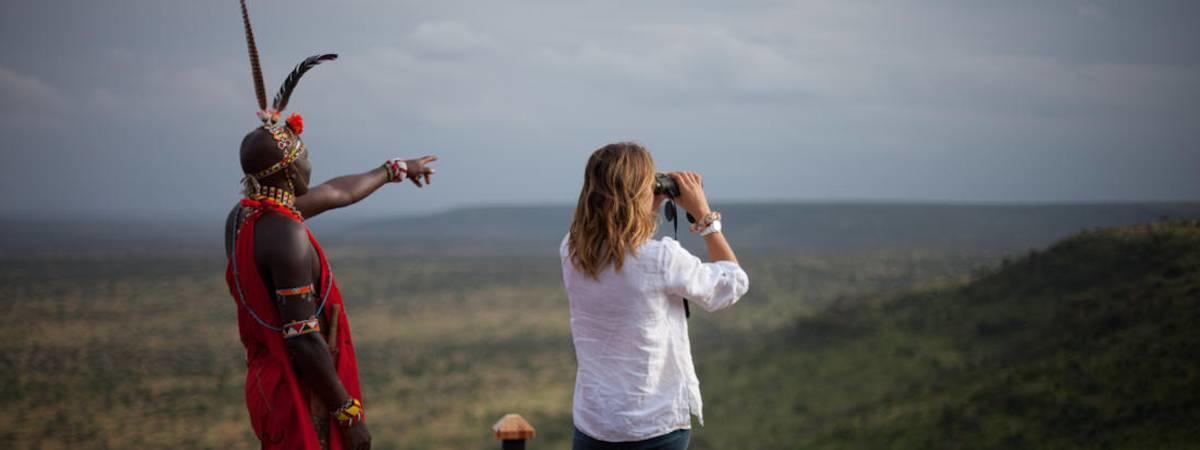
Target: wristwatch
column 714, row 227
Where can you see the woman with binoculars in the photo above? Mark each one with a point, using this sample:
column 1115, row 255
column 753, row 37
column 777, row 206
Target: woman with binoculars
column 636, row 386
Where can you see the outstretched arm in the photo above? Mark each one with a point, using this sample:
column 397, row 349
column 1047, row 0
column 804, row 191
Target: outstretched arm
column 350, row 189
column 341, row 191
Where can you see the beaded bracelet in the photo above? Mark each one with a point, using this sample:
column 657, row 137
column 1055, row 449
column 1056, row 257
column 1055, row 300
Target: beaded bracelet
column 396, row 169
column 350, row 413
column 703, row 223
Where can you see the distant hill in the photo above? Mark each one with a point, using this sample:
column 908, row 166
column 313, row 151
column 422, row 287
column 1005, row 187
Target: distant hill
column 1090, row 344
column 782, row 228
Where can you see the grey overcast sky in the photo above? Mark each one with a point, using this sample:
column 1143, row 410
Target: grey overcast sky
column 138, row 106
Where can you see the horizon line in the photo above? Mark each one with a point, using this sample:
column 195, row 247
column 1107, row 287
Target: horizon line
column 172, row 216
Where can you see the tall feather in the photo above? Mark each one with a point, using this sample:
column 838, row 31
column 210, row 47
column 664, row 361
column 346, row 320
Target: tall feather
column 285, row 91
column 255, row 68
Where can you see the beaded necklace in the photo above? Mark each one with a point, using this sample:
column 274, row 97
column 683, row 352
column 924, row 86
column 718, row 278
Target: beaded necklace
column 277, row 196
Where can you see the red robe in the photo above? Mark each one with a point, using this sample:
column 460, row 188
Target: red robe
column 279, row 406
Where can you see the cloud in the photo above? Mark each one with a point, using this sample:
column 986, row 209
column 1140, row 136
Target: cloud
column 174, row 92
column 27, row 102
column 1091, row 11
column 448, row 40
column 682, row 58
column 780, row 99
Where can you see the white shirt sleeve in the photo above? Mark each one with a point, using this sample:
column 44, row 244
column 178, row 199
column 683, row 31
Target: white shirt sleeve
column 713, row 285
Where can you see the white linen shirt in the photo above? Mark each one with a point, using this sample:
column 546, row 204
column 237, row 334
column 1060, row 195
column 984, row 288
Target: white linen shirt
column 636, row 379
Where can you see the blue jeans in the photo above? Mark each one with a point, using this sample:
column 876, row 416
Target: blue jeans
column 675, row 440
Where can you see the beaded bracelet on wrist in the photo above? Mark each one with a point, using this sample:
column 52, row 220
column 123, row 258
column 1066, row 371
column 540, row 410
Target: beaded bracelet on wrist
column 704, row 222
column 397, row 169
column 350, row 413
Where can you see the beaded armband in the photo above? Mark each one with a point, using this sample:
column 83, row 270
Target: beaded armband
column 397, row 169
column 703, row 222
column 308, row 289
column 301, row 327
column 350, row 413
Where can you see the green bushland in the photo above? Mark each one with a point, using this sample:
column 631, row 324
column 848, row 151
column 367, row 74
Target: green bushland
column 1090, row 344
column 1083, row 345
column 139, row 349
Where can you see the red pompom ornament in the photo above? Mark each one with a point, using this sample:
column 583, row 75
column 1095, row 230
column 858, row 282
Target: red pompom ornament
column 296, row 123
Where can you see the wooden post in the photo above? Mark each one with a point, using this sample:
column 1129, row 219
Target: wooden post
column 512, row 430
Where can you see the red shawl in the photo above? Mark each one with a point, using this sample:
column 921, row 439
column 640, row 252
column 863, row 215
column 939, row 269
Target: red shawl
column 279, row 406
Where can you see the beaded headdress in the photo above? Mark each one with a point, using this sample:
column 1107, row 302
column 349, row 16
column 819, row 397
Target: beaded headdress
column 286, row 133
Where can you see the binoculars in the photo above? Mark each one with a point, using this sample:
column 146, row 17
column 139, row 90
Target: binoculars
column 665, row 185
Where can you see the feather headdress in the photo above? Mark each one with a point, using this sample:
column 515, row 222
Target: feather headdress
column 287, row 133
column 270, row 116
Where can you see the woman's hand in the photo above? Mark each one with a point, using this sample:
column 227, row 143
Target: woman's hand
column 691, row 193
column 417, row 169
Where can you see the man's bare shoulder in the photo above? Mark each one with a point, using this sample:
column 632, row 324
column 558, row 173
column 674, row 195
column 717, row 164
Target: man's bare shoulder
column 278, row 237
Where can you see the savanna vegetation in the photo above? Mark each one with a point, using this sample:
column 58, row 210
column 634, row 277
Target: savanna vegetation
column 1085, row 344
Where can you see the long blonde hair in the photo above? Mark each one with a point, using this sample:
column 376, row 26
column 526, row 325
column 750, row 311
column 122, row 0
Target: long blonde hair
column 611, row 217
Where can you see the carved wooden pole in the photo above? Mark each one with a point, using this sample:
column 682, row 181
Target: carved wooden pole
column 513, row 431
